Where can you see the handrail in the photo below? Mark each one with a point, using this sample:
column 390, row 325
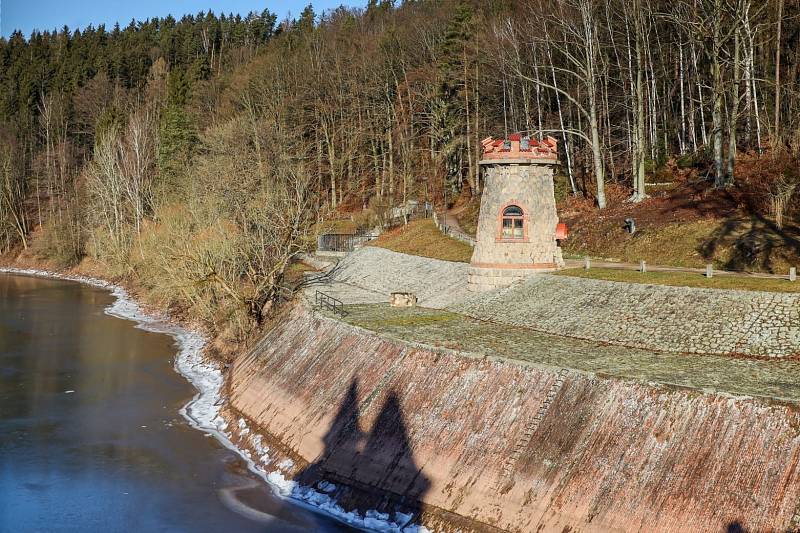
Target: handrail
column 326, row 300
column 342, row 242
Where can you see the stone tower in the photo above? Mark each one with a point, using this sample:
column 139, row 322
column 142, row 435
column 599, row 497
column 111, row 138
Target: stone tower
column 518, row 229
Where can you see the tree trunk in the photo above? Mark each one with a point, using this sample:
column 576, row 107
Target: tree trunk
column 734, row 112
column 716, row 133
column 597, row 154
column 776, row 134
column 639, row 153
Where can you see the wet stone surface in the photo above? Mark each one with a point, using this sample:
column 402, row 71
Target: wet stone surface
column 774, row 378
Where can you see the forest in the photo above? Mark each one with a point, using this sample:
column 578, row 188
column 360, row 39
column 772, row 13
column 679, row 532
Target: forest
column 198, row 156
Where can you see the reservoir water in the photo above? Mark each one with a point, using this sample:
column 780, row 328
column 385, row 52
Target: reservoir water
column 91, row 438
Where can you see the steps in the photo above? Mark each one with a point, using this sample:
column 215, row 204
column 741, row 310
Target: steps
column 532, row 426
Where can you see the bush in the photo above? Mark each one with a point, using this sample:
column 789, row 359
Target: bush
column 62, row 239
column 173, row 259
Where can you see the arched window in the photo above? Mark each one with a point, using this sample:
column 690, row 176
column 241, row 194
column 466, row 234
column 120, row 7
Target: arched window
column 513, row 222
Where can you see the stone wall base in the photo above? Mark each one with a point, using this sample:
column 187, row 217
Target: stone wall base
column 486, row 278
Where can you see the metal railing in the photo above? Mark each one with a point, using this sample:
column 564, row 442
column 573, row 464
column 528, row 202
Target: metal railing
column 342, row 242
column 329, row 302
column 400, row 216
column 457, row 234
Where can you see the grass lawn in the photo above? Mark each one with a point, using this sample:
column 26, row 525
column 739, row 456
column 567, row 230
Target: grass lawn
column 423, row 238
column 686, row 279
column 676, row 244
column 345, row 226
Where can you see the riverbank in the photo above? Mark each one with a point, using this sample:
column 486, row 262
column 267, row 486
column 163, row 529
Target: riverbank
column 206, row 411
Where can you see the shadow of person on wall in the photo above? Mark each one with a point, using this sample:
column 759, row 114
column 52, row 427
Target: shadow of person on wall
column 341, row 442
column 735, row 527
column 370, row 471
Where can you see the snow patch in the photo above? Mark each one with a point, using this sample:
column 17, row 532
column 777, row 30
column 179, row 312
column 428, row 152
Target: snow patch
column 286, row 464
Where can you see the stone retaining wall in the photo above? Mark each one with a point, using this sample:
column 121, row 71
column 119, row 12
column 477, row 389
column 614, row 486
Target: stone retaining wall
column 482, row 444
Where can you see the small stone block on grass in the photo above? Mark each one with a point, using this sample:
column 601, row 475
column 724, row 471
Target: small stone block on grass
column 403, row 299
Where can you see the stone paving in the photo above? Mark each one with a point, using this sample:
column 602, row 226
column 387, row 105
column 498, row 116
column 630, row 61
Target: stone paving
column 437, row 284
column 652, row 317
column 345, row 292
column 776, row 378
column 678, row 319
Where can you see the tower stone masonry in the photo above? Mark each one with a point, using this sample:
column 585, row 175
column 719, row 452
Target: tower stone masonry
column 518, row 228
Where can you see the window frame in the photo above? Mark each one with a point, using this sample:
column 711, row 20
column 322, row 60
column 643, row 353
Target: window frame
column 514, row 219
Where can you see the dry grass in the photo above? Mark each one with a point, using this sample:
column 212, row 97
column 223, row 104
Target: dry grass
column 688, row 225
column 343, row 226
column 673, row 244
column 295, row 273
column 423, row 238
column 739, row 243
column 686, row 279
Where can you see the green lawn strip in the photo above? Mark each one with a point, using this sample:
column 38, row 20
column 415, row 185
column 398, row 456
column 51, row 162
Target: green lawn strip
column 686, row 279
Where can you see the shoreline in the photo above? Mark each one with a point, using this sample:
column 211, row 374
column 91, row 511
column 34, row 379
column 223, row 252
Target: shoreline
column 204, row 411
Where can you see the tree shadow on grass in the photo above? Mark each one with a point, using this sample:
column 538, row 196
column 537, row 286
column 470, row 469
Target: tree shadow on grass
column 755, row 242
column 374, row 470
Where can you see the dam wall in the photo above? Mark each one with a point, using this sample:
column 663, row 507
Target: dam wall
column 479, row 443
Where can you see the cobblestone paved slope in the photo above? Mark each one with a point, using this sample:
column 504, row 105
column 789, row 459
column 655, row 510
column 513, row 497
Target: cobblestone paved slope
column 678, row 319
column 775, row 378
column 653, row 317
column 436, row 283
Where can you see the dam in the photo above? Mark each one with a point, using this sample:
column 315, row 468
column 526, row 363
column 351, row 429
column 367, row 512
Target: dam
column 556, row 404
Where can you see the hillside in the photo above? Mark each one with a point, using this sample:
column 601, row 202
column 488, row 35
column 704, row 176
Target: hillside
column 195, row 157
column 684, row 222
column 689, row 223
